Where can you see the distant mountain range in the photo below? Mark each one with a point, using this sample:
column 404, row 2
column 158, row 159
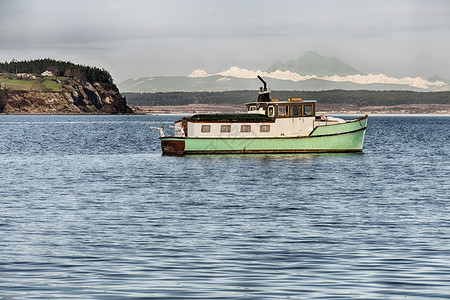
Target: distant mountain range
column 312, row 63
column 311, row 71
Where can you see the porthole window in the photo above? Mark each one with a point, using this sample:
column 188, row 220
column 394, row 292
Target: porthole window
column 264, row 128
column 246, row 128
column 206, row 128
column 225, row 128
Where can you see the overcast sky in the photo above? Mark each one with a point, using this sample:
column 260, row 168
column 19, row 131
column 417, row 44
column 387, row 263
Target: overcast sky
column 135, row 38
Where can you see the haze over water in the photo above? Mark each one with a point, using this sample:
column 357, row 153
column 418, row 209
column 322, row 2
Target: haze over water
column 89, row 209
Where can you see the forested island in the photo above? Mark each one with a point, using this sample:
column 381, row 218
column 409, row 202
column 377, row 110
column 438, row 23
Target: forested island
column 329, row 100
column 48, row 86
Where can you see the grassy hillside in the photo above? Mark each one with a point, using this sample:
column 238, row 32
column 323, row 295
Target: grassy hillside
column 44, row 84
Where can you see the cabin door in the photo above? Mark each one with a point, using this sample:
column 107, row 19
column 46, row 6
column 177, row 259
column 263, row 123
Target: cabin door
column 305, row 126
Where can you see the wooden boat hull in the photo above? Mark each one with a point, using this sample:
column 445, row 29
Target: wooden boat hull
column 347, row 137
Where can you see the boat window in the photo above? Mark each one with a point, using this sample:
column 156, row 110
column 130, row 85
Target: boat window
column 283, row 111
column 297, row 111
column 246, row 128
column 308, row 110
column 252, row 108
column 271, row 111
column 264, row 128
column 206, row 128
column 225, row 128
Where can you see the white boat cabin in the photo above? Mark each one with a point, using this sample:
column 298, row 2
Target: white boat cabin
column 264, row 118
column 291, row 118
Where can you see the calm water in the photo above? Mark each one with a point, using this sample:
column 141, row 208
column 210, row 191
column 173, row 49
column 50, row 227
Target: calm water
column 89, row 209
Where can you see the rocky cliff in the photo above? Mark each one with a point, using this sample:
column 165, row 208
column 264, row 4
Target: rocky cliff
column 76, row 97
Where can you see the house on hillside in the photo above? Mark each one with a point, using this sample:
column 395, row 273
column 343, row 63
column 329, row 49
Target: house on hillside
column 47, row 73
column 25, row 76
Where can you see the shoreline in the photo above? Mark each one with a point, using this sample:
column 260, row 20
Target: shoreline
column 419, row 109
column 404, row 109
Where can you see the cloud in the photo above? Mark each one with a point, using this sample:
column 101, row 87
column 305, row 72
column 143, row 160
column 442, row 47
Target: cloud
column 175, row 37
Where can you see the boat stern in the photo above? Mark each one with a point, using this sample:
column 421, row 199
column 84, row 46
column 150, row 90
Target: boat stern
column 172, row 145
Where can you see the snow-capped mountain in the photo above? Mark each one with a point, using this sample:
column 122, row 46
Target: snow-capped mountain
column 312, row 63
column 237, row 72
column 310, row 72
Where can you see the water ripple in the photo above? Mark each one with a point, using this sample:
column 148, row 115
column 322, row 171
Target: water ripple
column 89, row 209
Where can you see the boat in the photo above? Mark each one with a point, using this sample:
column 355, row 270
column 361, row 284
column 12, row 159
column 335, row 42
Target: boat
column 268, row 126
